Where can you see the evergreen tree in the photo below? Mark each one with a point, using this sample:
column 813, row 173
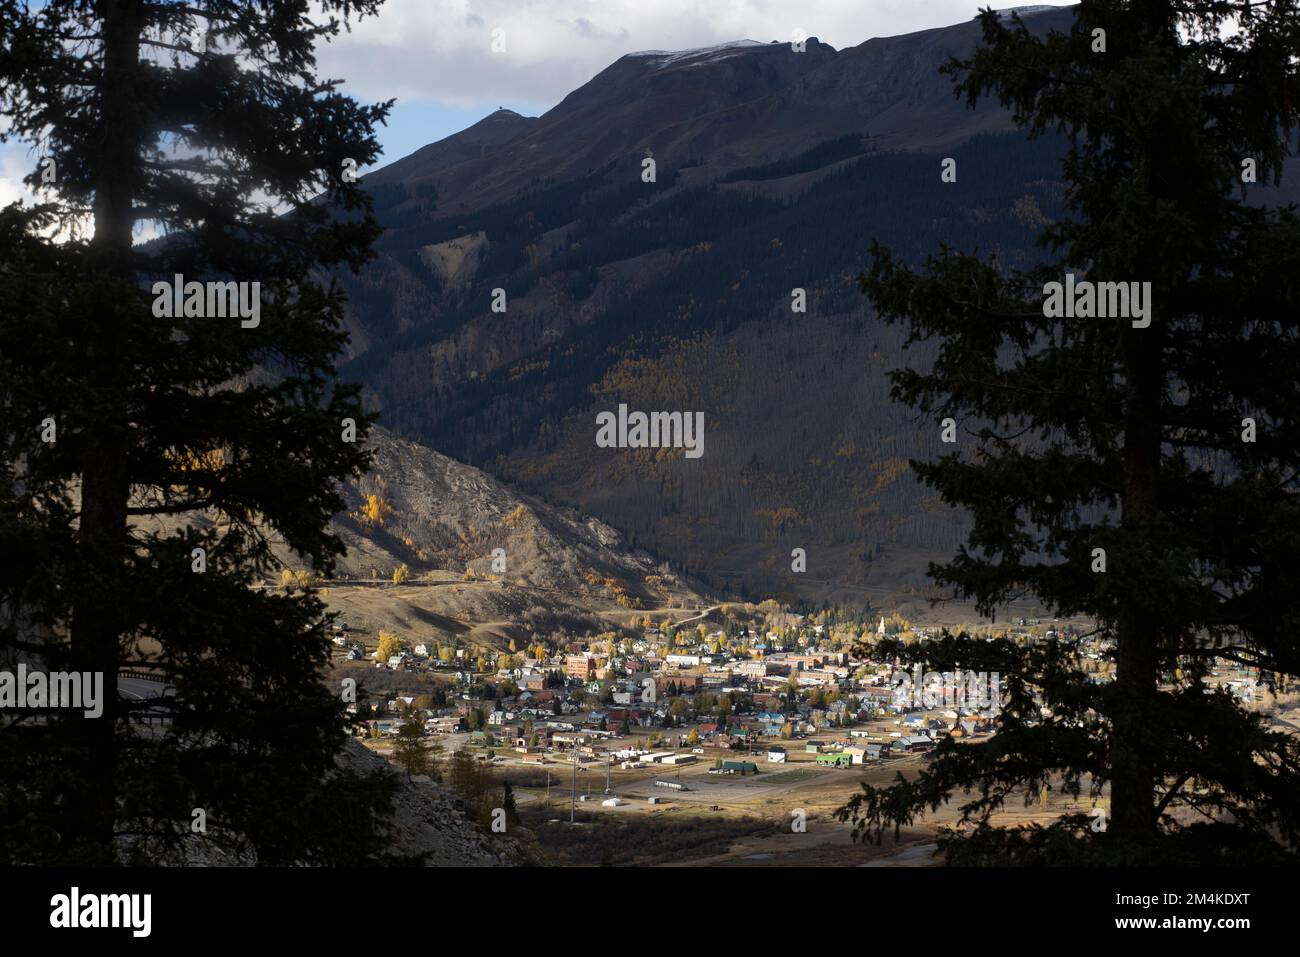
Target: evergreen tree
column 206, row 123
column 1083, row 434
column 508, row 804
column 411, row 751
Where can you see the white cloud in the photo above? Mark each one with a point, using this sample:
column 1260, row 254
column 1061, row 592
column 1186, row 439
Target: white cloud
column 16, row 161
column 439, row 51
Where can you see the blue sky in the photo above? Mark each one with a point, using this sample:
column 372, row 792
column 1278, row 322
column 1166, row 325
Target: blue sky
column 415, row 123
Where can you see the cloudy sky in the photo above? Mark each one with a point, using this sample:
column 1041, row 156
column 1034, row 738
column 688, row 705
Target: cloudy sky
column 436, row 56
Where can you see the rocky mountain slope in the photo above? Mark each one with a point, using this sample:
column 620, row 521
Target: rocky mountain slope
column 775, row 170
column 419, row 508
column 429, row 819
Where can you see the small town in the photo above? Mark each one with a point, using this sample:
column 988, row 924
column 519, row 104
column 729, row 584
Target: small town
column 755, row 726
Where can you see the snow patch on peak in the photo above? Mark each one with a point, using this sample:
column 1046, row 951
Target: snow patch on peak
column 717, row 51
column 1028, row 10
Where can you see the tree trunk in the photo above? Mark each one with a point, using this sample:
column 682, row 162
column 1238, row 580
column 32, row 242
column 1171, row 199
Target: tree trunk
column 1137, row 672
column 1133, row 767
column 96, row 621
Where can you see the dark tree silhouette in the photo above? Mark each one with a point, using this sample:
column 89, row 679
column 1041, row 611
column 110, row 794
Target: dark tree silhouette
column 207, row 123
column 1085, row 434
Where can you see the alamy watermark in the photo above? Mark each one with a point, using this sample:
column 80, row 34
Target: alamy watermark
column 76, row 910
column 34, row 689
column 208, row 300
column 652, row 430
column 1082, row 299
column 970, row 690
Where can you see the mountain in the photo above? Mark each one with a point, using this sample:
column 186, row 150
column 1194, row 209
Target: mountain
column 419, row 508
column 644, row 100
column 774, row 171
column 481, row 139
column 484, row 563
column 732, row 105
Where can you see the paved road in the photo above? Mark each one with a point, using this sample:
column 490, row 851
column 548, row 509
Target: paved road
column 137, row 689
column 140, row 690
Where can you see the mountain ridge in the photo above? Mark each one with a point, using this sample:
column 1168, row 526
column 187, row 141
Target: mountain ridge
column 774, row 171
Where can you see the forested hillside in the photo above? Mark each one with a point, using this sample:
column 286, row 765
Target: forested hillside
column 677, row 295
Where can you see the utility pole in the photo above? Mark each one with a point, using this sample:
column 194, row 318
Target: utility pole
column 609, row 764
column 573, row 795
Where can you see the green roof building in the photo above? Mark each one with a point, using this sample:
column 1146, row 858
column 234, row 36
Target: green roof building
column 835, row 760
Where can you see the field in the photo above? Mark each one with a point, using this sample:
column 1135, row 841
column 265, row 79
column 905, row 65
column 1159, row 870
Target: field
column 729, row 820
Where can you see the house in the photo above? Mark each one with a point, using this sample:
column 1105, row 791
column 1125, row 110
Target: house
column 616, row 716
column 683, row 661
column 444, row 725
column 568, row 739
column 740, row 767
column 580, row 666
column 813, row 747
column 841, row 760
column 776, row 755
